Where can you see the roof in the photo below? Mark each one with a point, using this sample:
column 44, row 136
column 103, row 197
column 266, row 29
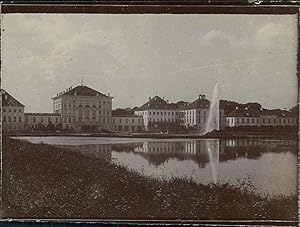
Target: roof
column 80, row 91
column 43, row 114
column 9, row 100
column 157, row 103
column 246, row 112
column 199, row 103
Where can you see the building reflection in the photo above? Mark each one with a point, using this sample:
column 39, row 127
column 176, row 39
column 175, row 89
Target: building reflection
column 201, row 152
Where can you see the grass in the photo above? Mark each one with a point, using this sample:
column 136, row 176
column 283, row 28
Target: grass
column 43, row 181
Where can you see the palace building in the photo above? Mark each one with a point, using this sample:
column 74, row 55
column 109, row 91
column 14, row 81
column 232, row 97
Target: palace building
column 158, row 110
column 260, row 117
column 42, row 120
column 84, row 109
column 195, row 114
column 12, row 113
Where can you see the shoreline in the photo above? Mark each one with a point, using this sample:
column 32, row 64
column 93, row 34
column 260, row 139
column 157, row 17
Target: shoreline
column 214, row 135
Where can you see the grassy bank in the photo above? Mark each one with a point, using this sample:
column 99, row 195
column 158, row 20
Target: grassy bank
column 42, row 181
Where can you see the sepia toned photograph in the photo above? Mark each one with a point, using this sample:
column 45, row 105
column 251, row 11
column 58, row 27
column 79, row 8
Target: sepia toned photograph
column 149, row 117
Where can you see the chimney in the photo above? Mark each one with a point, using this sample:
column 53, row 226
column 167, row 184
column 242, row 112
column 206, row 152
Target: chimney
column 149, row 98
column 108, row 94
column 167, row 101
column 200, row 96
column 163, row 98
column 203, row 96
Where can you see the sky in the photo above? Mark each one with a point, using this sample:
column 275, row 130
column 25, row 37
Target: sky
column 134, row 57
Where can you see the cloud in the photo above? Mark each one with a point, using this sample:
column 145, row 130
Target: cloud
column 275, row 34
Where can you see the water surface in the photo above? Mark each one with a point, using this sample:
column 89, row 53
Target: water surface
column 264, row 166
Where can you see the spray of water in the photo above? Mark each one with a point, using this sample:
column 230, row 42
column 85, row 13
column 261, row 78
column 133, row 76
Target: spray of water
column 213, row 114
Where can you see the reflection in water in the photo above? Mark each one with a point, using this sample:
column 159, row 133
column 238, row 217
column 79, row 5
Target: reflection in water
column 269, row 165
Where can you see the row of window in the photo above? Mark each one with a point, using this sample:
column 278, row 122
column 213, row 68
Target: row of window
column 127, row 120
column 86, row 119
column 264, row 121
column 13, row 110
column 163, row 120
column 34, row 119
column 12, row 119
column 128, row 128
column 94, row 112
column 159, row 113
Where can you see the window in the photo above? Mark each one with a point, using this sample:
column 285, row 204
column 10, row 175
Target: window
column 157, row 113
column 126, row 120
column 56, row 120
column 33, row 119
column 120, row 120
column 9, row 110
column 15, row 110
column 15, row 119
column 132, row 120
column 253, row 120
column 9, row 119
column 42, row 120
column 26, row 119
column 103, row 120
column 4, row 119
column 153, row 113
column 113, row 120
column 20, row 119
column 69, row 120
column 4, row 110
column 237, row 120
column 248, row 120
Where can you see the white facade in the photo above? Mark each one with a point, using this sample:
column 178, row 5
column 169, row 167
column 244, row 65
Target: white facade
column 85, row 109
column 196, row 115
column 158, row 115
column 12, row 113
column 157, row 110
column 128, row 123
column 264, row 120
column 36, row 120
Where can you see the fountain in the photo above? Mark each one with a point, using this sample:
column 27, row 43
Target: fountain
column 213, row 123
column 213, row 114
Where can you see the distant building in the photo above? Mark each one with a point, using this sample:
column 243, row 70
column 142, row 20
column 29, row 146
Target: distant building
column 12, row 113
column 260, row 117
column 156, row 111
column 84, row 109
column 128, row 123
column 195, row 114
column 42, row 120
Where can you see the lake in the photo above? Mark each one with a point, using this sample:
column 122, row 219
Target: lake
column 267, row 167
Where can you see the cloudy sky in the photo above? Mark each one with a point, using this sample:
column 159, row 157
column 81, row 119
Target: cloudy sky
column 252, row 57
